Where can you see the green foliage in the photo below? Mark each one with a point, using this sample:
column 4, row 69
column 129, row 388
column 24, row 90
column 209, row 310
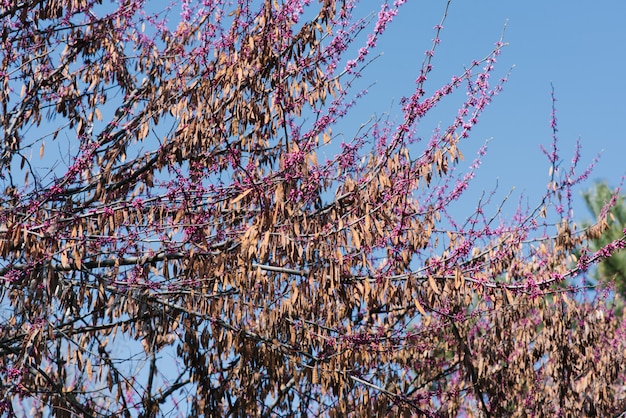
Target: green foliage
column 613, row 268
column 609, row 210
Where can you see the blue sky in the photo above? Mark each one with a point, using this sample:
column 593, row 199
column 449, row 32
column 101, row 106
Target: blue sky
column 577, row 46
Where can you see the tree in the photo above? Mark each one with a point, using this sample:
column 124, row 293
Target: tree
column 188, row 252
column 608, row 206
